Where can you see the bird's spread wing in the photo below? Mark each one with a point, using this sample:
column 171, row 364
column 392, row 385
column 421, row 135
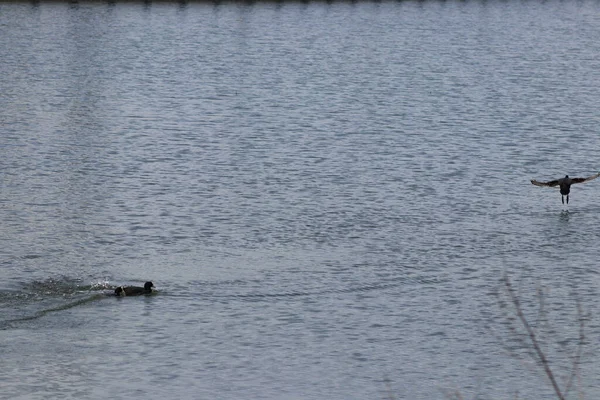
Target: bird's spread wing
column 551, row 183
column 589, row 178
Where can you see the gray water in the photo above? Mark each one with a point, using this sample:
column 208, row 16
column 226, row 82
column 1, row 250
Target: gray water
column 326, row 196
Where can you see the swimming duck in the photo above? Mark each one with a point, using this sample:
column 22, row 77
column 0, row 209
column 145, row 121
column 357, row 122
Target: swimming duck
column 565, row 184
column 134, row 290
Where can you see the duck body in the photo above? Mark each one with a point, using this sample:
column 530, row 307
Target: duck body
column 123, row 291
column 564, row 184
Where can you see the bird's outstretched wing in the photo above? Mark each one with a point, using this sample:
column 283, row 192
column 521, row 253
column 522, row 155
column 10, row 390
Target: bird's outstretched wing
column 551, row 183
column 589, row 178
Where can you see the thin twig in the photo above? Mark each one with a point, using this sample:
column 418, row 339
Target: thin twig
column 388, row 385
column 541, row 297
column 580, row 343
column 532, row 337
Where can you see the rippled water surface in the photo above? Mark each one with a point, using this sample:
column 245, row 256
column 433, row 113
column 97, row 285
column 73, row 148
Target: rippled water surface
column 325, row 194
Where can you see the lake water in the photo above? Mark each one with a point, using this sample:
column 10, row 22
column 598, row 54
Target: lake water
column 326, row 196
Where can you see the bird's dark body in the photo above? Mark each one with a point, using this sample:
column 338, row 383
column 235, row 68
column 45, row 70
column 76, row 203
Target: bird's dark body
column 565, row 184
column 122, row 291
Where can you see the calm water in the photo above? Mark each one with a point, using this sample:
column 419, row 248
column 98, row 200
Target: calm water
column 326, row 196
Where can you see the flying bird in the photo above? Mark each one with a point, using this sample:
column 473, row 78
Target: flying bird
column 564, row 184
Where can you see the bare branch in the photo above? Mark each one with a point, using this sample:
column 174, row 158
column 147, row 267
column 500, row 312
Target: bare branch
column 532, row 337
column 580, row 342
column 541, row 297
